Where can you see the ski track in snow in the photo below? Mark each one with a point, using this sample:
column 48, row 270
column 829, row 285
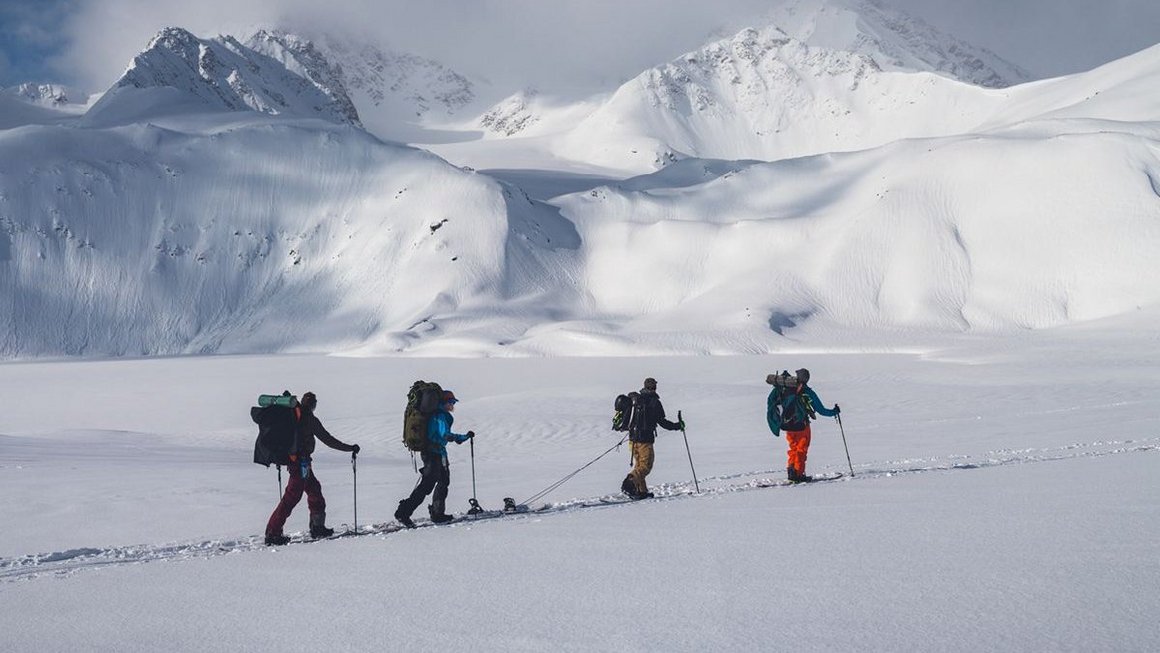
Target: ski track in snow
column 65, row 563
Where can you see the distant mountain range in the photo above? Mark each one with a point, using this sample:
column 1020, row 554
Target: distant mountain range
column 845, row 170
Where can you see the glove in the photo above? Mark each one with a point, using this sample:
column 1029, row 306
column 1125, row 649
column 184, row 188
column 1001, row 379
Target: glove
column 355, row 450
column 470, row 434
column 681, row 424
column 837, row 409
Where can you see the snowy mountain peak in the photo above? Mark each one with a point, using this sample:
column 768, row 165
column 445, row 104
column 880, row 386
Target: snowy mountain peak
column 757, row 95
column 512, row 115
column 894, row 40
column 46, row 95
column 752, row 62
column 300, row 56
column 395, row 91
column 273, row 74
column 387, row 77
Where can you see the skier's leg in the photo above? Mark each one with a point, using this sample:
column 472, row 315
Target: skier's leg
column 442, row 483
column 315, row 501
column 291, row 497
column 643, row 455
column 429, row 475
column 804, row 445
column 799, row 444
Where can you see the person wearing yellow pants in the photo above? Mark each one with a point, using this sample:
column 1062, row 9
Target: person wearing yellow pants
column 647, row 414
column 790, row 408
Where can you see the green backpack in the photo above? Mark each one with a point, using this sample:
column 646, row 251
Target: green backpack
column 422, row 401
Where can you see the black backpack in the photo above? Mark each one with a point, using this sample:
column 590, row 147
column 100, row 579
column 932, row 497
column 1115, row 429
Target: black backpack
column 624, row 412
column 423, row 400
column 277, row 420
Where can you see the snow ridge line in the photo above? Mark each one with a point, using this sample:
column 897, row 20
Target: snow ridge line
column 65, row 563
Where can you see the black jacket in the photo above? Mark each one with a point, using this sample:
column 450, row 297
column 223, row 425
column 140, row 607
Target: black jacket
column 648, row 413
column 309, row 427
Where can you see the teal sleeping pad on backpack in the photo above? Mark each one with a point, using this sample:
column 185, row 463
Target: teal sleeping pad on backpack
column 286, row 400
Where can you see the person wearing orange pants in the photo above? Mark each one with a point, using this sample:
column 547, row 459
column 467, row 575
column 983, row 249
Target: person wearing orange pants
column 799, row 446
column 790, row 407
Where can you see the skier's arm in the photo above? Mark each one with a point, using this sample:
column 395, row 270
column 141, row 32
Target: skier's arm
column 819, row 407
column 329, row 440
column 666, row 424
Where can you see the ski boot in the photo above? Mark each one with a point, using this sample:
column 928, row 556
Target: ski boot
column 438, row 514
column 403, row 517
column 794, row 477
column 628, row 486
column 277, row 540
column 318, row 529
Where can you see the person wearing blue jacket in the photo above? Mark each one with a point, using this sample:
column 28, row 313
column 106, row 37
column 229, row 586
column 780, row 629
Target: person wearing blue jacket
column 436, row 472
column 790, row 409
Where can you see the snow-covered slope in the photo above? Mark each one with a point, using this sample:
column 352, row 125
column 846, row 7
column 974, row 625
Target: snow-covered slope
column 764, row 95
column 944, row 234
column 56, row 96
column 821, row 75
column 40, row 104
column 257, row 236
column 181, row 73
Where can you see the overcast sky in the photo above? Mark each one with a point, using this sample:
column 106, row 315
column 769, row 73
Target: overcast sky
column 537, row 42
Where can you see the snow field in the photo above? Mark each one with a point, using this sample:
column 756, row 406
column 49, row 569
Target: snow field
column 1004, row 491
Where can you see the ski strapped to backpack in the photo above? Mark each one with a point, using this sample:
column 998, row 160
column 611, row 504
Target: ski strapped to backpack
column 277, row 420
column 788, row 408
column 422, row 401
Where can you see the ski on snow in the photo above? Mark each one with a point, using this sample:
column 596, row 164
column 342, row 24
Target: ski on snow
column 786, row 482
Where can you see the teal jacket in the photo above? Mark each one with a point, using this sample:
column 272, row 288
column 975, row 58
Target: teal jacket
column 794, row 413
column 439, row 432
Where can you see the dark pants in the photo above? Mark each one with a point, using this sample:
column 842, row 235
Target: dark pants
column 294, row 489
column 436, row 474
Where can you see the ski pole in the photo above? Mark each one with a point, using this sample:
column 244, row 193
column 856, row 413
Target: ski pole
column 839, row 418
column 279, row 481
column 682, row 422
column 543, row 493
column 354, row 472
column 474, row 501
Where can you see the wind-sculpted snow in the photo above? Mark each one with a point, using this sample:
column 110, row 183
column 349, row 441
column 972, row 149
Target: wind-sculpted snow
column 946, row 234
column 257, row 236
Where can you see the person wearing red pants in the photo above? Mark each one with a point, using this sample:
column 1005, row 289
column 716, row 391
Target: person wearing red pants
column 302, row 478
column 790, row 408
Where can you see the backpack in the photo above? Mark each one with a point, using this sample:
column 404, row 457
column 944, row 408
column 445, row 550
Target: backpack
column 788, row 408
column 422, row 401
column 623, row 413
column 277, row 420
